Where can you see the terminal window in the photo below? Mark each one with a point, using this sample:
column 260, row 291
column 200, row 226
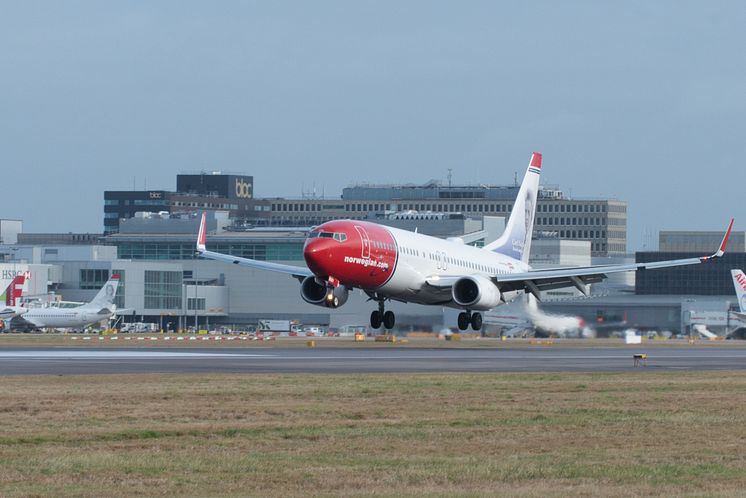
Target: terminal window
column 93, row 279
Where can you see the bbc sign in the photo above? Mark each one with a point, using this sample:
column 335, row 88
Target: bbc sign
column 243, row 188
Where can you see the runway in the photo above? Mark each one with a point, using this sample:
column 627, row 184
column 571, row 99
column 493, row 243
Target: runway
column 90, row 361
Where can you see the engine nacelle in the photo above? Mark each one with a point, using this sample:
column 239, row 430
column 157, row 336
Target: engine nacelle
column 322, row 294
column 476, row 293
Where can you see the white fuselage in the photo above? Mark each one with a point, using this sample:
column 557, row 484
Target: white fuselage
column 421, row 256
column 65, row 317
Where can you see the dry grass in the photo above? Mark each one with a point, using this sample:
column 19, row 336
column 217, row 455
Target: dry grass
column 374, row 435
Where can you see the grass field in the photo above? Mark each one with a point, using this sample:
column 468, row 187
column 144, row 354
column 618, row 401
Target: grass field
column 374, row 435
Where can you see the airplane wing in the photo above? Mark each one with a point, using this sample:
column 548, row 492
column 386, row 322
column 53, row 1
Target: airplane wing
column 299, row 272
column 535, row 281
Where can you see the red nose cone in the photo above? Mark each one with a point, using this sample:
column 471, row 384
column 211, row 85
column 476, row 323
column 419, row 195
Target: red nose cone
column 317, row 254
column 356, row 253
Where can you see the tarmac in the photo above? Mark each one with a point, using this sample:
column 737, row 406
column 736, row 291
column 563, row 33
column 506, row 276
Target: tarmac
column 94, row 360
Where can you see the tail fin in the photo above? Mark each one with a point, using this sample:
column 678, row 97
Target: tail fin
column 516, row 240
column 14, row 292
column 739, row 282
column 105, row 297
column 202, row 236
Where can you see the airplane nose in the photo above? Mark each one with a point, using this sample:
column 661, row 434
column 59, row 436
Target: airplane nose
column 317, row 254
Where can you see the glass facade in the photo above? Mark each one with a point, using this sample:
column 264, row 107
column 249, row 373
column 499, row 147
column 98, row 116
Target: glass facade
column 196, row 303
column 119, row 296
column 175, row 251
column 706, row 279
column 93, row 279
column 163, row 290
column 159, row 250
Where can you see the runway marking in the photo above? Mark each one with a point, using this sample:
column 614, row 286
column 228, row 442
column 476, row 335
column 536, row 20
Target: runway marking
column 119, row 354
column 446, row 356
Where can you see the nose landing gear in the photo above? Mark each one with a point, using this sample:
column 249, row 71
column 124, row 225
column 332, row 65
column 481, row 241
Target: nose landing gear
column 466, row 318
column 380, row 316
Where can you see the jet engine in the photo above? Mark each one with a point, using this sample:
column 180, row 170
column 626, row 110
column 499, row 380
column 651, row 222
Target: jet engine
column 322, row 294
column 476, row 293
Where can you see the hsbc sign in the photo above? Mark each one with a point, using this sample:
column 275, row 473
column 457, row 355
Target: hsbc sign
column 11, row 274
column 243, row 189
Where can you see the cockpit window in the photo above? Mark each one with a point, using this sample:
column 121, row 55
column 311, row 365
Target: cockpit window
column 338, row 236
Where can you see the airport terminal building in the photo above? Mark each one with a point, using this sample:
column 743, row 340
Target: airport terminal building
column 601, row 222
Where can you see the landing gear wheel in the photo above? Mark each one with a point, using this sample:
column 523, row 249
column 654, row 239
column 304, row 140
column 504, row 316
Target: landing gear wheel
column 463, row 320
column 476, row 321
column 375, row 319
column 389, row 319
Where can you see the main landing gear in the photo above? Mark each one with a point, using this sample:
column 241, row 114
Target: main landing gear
column 466, row 318
column 380, row 316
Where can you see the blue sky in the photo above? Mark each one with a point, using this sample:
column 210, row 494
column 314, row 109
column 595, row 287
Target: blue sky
column 641, row 101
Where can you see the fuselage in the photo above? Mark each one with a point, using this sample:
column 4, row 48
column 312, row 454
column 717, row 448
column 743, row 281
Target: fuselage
column 396, row 263
column 65, row 317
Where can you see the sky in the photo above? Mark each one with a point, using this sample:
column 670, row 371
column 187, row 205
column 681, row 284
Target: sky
column 639, row 101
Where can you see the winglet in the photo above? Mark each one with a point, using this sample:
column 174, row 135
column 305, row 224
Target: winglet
column 202, row 234
column 723, row 244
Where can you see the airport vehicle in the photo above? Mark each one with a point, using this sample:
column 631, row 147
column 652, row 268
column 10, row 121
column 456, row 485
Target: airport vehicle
column 274, row 326
column 100, row 308
column 12, row 297
column 138, row 327
column 391, row 264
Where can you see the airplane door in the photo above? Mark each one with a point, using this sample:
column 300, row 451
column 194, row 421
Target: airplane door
column 365, row 240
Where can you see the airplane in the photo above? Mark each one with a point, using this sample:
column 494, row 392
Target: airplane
column 739, row 282
column 100, row 308
column 531, row 317
column 392, row 264
column 11, row 297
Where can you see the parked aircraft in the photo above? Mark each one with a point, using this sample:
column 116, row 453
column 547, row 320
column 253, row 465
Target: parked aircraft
column 391, row 264
column 739, row 282
column 531, row 317
column 100, row 308
column 11, row 298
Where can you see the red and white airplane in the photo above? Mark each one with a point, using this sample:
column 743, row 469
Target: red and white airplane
column 11, row 298
column 391, row 264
